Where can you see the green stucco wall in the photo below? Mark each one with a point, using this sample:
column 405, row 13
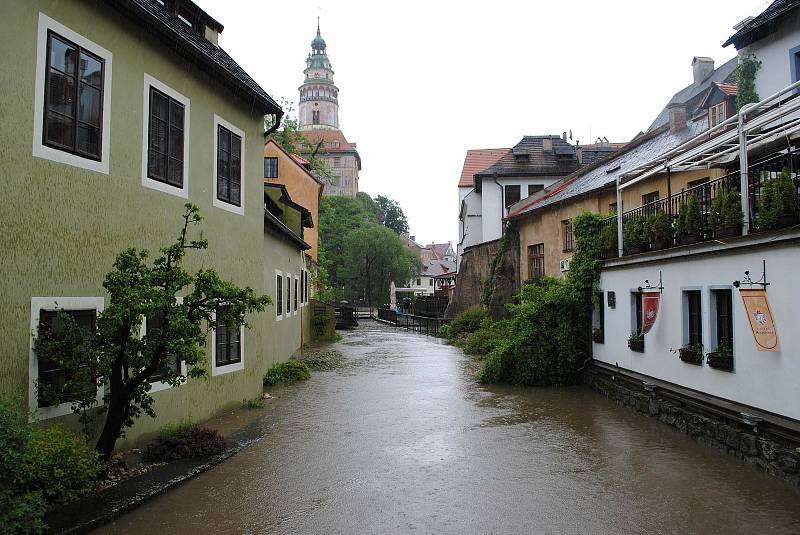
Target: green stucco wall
column 62, row 226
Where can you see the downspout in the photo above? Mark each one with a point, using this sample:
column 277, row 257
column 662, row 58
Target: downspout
column 744, row 182
column 274, row 127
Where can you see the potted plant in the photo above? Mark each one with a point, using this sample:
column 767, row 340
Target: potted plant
column 659, row 230
column 721, row 359
column 692, row 353
column 725, row 216
column 636, row 342
column 608, row 240
column 687, row 227
column 634, row 235
column 778, row 205
column 597, row 335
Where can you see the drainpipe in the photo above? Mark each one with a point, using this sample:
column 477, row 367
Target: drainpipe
column 744, row 183
column 619, row 220
column 274, row 127
column 502, row 203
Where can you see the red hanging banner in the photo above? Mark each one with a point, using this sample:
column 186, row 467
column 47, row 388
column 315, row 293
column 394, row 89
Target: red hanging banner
column 650, row 302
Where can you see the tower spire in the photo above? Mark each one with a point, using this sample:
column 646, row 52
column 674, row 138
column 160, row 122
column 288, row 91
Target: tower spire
column 317, row 24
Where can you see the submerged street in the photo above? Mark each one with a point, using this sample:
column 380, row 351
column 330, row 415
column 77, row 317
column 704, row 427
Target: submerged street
column 401, row 439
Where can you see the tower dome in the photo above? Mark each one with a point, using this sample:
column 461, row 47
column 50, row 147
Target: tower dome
column 318, row 44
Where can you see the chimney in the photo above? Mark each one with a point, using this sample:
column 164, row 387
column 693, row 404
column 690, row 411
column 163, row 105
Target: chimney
column 212, row 35
column 412, row 238
column 564, row 136
column 677, row 117
column 702, row 68
column 547, row 144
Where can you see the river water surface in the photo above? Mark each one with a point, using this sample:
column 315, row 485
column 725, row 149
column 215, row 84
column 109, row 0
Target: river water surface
column 401, row 440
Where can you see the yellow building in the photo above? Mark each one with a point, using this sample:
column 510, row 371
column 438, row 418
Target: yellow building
column 292, row 171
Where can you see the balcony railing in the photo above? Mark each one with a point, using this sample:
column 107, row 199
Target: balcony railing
column 712, row 211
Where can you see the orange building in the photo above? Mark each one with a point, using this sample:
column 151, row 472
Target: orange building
column 293, row 171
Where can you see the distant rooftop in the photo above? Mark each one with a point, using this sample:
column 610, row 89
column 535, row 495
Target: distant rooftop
column 476, row 161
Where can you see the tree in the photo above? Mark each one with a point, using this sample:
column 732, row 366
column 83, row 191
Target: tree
column 292, row 140
column 393, row 216
column 121, row 360
column 374, row 257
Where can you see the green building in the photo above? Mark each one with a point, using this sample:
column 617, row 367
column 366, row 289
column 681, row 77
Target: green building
column 116, row 114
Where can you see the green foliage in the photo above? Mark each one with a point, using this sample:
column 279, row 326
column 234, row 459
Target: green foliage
column 778, row 200
column 608, row 236
column 689, row 219
column 658, row 227
column 291, row 139
column 174, row 429
column 726, row 210
column 543, row 344
column 488, row 336
column 254, row 404
column 285, row 373
column 193, row 443
column 39, row 468
column 393, row 216
column 467, row 322
column 509, row 239
column 634, row 232
column 746, row 80
column 120, row 359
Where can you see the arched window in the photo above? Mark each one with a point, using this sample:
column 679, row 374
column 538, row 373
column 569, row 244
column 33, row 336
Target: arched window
column 315, row 117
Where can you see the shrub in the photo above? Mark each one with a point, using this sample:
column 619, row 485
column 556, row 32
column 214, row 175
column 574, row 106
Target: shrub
column 608, row 236
column 688, row 223
column 468, row 321
column 487, row 337
column 254, row 404
column 778, row 199
column 196, row 443
column 287, row 372
column 633, row 232
column 182, row 427
column 658, row 227
column 544, row 341
column 39, row 468
column 726, row 210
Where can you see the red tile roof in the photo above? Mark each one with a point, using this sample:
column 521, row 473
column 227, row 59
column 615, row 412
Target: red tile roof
column 728, row 89
column 478, row 160
column 331, row 139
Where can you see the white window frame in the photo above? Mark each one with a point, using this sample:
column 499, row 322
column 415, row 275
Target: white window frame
column 219, row 121
column 148, row 182
column 53, row 303
column 279, row 298
column 227, row 368
column 158, row 386
column 685, row 314
column 712, row 318
column 296, row 302
column 40, row 150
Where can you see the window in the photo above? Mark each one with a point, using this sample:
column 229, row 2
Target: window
column 165, row 145
column 288, row 294
column 511, row 194
column 419, row 282
column 227, row 348
column 647, row 199
column 306, row 287
column 794, row 61
column 337, row 161
column 270, row 168
column 229, row 167
column 49, row 372
column 716, row 114
column 636, row 309
column 71, row 104
column 430, row 282
column 723, row 319
column 612, row 208
column 598, row 318
column 153, row 325
column 569, row 237
column 693, row 324
column 533, row 188
column 702, row 191
column 296, row 284
column 44, row 310
column 315, row 115
column 278, row 294
column 536, row 261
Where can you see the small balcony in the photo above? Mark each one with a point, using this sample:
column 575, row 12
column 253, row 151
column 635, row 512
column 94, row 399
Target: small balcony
column 713, row 210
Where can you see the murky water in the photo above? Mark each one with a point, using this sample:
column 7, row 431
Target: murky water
column 402, row 440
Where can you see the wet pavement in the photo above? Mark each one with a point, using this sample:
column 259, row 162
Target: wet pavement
column 401, row 440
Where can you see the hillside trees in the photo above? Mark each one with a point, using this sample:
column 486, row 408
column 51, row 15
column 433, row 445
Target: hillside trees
column 393, row 215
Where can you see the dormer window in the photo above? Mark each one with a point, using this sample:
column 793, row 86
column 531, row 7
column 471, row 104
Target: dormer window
column 717, row 114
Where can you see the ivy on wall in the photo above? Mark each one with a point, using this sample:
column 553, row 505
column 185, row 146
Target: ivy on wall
column 746, row 80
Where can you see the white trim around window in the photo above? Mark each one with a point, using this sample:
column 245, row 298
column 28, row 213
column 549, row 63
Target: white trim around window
column 296, row 302
column 279, row 296
column 148, row 182
column 227, row 368
column 219, row 121
column 40, row 150
column 53, row 303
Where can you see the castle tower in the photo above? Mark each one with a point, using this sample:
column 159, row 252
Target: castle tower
column 319, row 97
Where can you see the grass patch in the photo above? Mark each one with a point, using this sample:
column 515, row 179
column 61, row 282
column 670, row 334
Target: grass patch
column 175, row 429
column 285, row 373
column 254, row 404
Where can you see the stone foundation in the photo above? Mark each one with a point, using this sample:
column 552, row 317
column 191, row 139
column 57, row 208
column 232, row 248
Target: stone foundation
column 766, row 445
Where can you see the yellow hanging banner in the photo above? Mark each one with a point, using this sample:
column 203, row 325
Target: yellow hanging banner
column 760, row 317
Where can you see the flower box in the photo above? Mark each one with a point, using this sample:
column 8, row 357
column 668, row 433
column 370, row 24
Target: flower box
column 636, row 343
column 691, row 355
column 720, row 360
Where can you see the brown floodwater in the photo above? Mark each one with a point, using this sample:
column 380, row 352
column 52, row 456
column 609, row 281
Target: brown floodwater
column 401, row 439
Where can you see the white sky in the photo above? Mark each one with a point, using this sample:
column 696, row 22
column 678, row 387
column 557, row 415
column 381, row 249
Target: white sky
column 422, row 82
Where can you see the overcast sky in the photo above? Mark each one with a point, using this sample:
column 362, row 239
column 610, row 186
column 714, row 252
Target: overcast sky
column 422, row 82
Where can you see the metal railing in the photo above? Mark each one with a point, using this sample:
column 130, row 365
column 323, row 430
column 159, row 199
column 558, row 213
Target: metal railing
column 411, row 322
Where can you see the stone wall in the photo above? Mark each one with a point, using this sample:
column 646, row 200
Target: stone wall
column 766, row 446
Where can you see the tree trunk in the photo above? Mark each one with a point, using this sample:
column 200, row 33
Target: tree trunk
column 115, row 418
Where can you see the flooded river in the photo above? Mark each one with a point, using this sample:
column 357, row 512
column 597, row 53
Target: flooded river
column 401, row 439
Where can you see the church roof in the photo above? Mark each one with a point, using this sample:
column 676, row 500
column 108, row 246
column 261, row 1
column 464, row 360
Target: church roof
column 476, row 161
